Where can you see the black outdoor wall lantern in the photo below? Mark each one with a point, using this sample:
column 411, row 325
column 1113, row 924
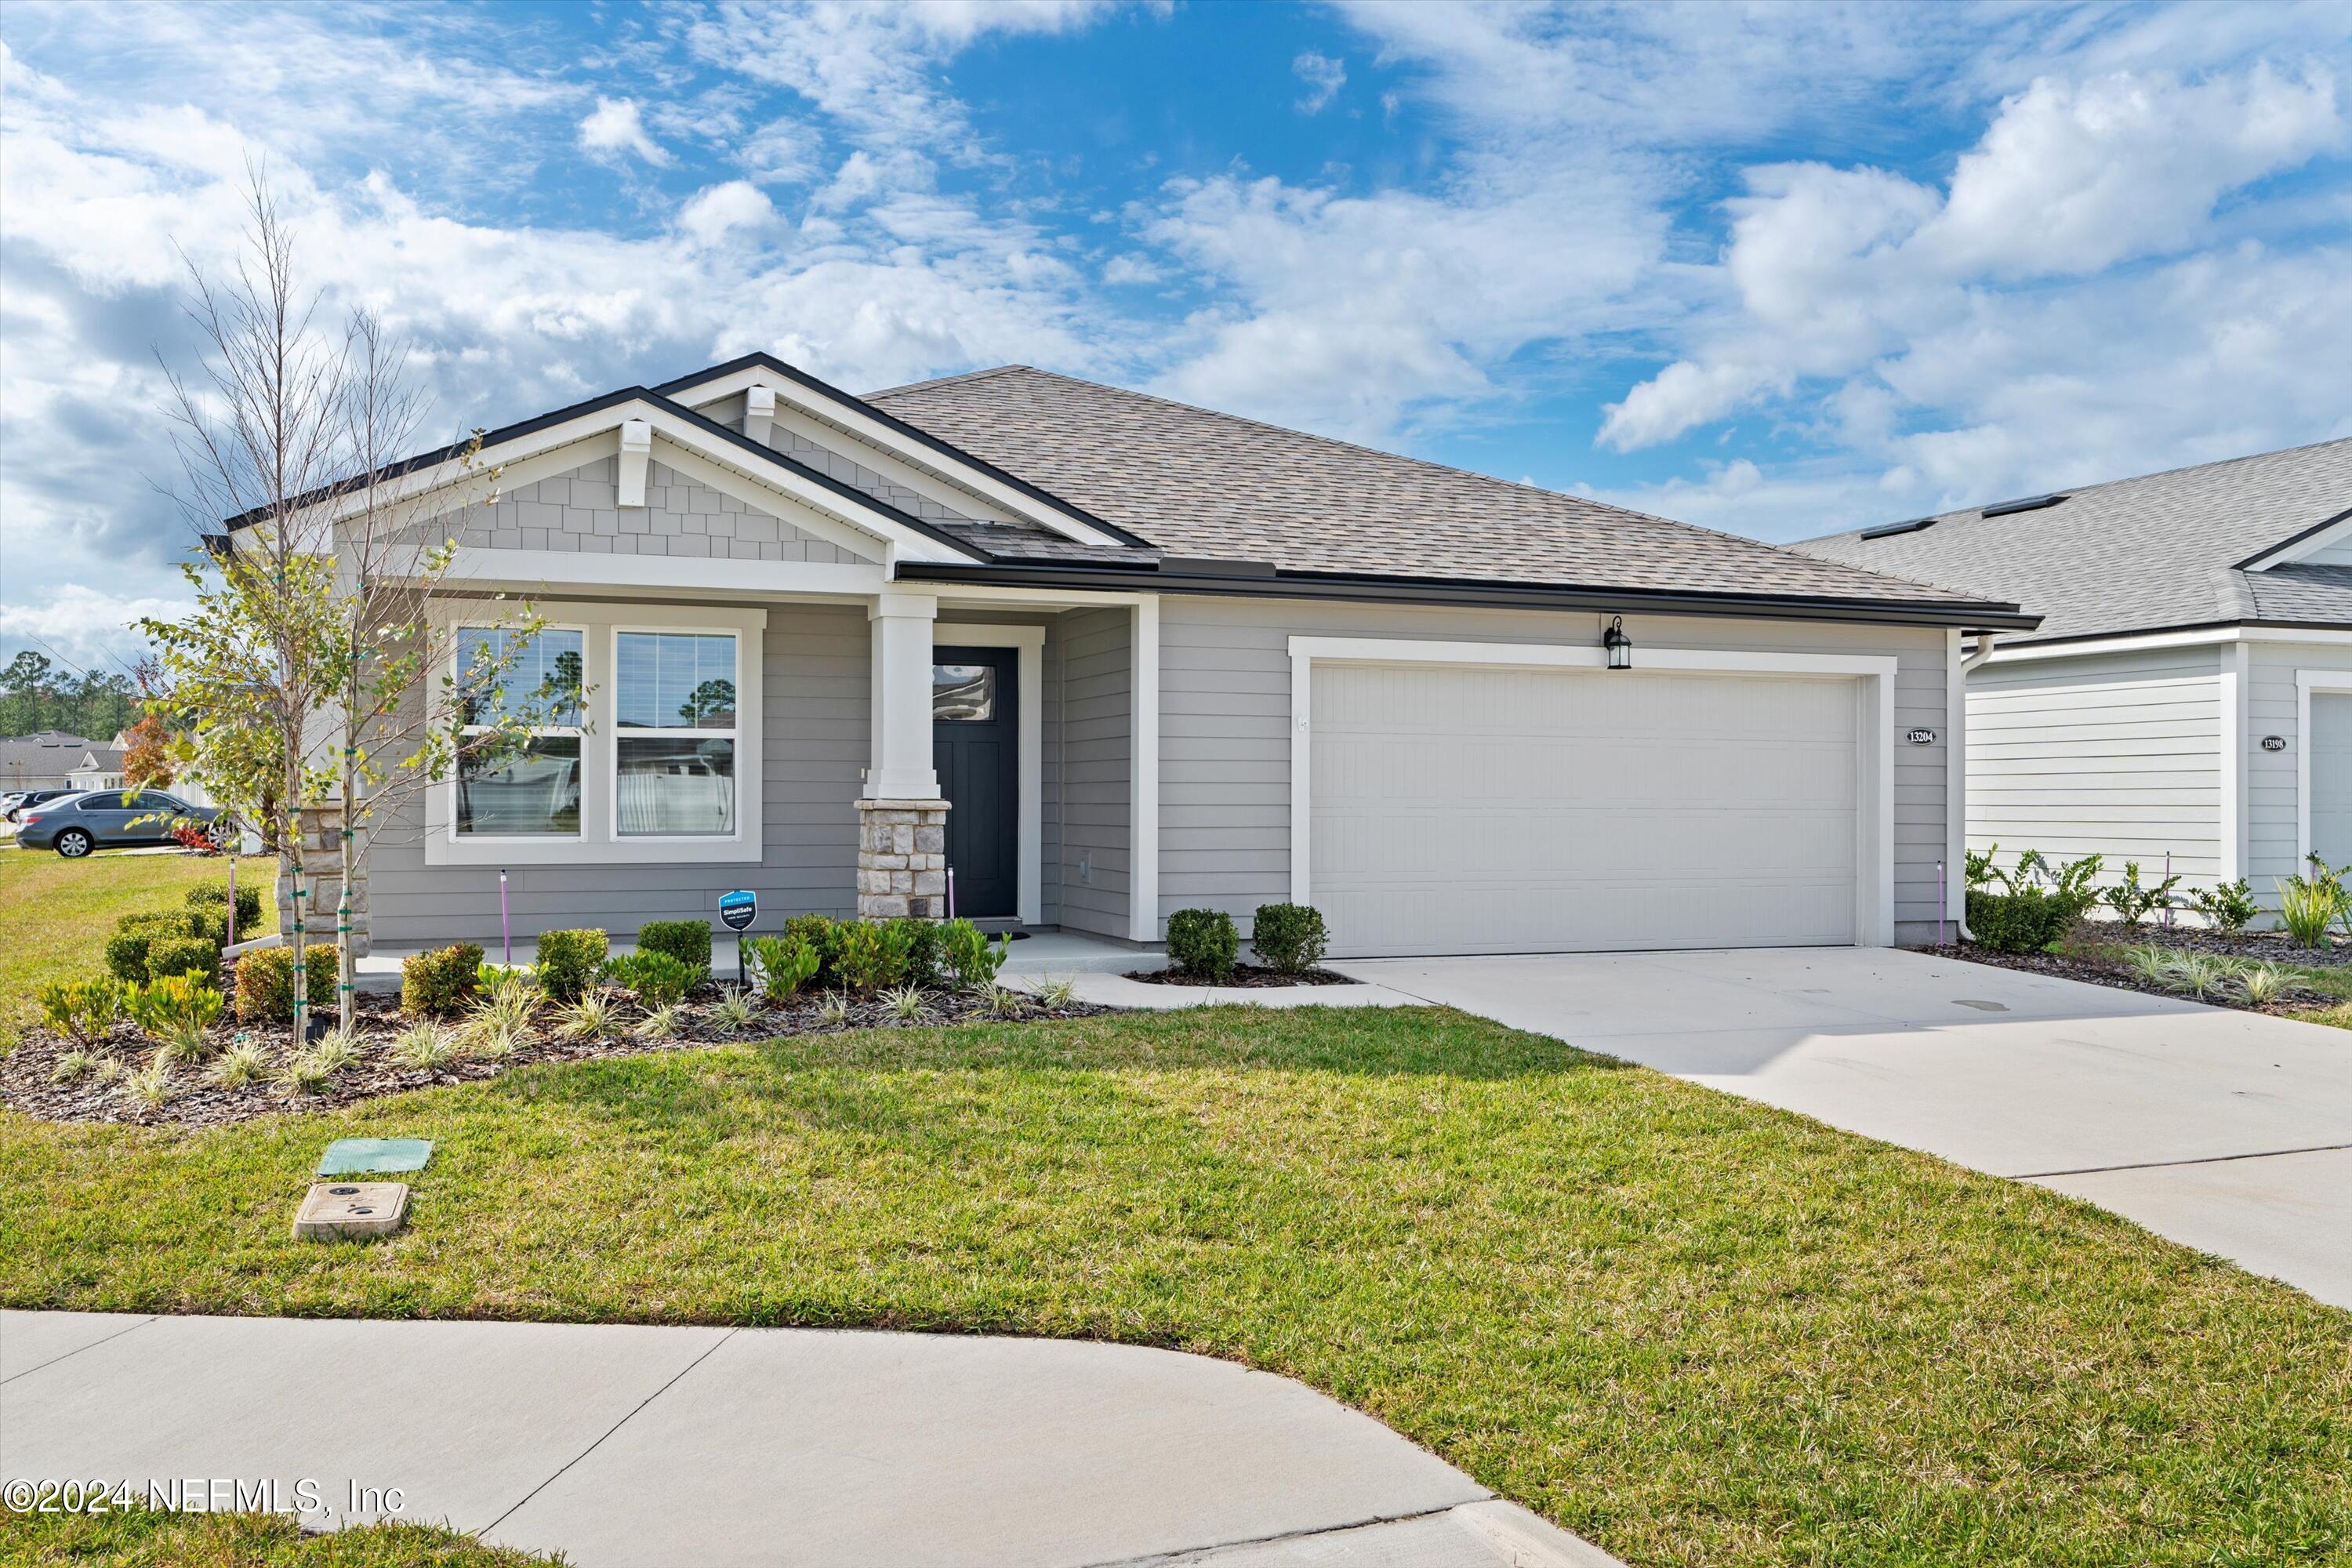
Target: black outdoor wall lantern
column 1619, row 647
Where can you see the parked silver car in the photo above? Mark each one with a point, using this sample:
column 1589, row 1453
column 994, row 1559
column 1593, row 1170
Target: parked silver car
column 74, row 825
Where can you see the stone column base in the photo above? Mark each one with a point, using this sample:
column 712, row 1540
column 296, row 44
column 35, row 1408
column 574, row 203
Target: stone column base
column 902, row 860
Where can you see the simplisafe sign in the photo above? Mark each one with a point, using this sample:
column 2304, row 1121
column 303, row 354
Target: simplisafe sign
column 1921, row 737
column 739, row 908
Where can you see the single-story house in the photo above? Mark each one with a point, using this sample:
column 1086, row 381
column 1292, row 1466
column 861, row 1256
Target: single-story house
column 2187, row 696
column 44, row 760
column 1062, row 654
column 100, row 767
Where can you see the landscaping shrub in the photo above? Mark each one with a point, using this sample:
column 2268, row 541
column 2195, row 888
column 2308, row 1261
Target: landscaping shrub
column 1289, row 937
column 2026, row 922
column 265, row 982
column 822, row 932
column 688, row 942
column 135, row 935
column 212, row 897
column 925, row 952
column 440, row 984
column 782, row 964
column 972, row 959
column 869, row 955
column 2228, row 908
column 174, row 1005
column 2134, row 903
column 195, row 955
column 82, row 1010
column 1204, row 943
column 659, row 979
column 569, row 962
column 2308, row 906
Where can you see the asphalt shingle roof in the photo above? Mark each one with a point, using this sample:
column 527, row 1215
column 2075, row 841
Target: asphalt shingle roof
column 2143, row 554
column 1199, row 483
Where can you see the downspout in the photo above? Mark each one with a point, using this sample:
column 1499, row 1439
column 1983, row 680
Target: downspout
column 1956, row 763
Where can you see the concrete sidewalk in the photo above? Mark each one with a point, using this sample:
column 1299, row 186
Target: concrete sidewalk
column 622, row 1444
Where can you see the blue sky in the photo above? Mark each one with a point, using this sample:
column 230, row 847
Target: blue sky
column 1777, row 269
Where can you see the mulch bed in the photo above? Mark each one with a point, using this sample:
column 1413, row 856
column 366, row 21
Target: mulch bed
column 2093, row 968
column 196, row 1102
column 1246, row 976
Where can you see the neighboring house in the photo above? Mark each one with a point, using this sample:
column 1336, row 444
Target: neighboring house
column 42, row 760
column 2189, row 693
column 1106, row 657
column 100, row 767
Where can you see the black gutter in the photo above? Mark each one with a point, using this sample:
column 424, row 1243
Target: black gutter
column 898, row 427
column 2174, row 630
column 1365, row 589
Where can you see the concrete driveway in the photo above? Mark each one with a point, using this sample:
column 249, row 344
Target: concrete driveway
column 2226, row 1130
column 625, row 1445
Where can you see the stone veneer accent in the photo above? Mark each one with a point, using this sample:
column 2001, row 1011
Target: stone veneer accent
column 902, row 860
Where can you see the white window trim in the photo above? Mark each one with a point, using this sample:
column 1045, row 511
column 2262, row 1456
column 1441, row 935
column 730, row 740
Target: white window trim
column 1873, row 674
column 2307, row 681
column 598, row 844
column 1029, row 642
column 737, row 734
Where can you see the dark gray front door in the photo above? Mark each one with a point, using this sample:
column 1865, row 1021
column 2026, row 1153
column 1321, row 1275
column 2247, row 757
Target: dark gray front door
column 976, row 749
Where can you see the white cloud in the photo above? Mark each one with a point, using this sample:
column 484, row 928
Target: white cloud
column 783, row 152
column 89, row 626
column 1324, row 78
column 711, row 215
column 1125, row 269
column 1344, row 312
column 614, row 125
column 1834, row 273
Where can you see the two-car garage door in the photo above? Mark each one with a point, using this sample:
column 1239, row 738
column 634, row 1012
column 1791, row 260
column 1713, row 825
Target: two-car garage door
column 1459, row 809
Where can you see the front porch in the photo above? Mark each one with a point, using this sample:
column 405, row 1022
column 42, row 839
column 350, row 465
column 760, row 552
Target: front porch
column 891, row 753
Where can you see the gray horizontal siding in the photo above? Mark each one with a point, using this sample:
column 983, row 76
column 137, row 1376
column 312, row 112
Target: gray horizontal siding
column 1097, row 700
column 1225, row 736
column 2271, row 709
column 2115, row 754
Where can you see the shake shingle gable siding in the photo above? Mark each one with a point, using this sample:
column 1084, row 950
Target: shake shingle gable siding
column 1199, row 483
column 2141, row 554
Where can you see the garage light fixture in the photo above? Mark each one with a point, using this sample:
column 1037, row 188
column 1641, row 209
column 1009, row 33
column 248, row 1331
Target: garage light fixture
column 1619, row 645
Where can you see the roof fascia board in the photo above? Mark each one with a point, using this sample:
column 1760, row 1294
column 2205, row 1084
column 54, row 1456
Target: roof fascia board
column 892, row 433
column 1421, row 591
column 2192, row 636
column 2299, row 547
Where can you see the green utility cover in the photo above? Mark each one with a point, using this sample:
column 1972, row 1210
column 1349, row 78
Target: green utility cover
column 347, row 1156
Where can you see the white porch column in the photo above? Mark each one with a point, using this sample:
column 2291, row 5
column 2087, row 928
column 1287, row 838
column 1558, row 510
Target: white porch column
column 902, row 832
column 899, row 767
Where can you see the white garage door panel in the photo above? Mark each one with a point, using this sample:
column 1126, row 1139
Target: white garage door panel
column 2331, row 776
column 1465, row 809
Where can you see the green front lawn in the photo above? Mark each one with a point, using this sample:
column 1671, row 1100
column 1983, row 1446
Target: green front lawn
column 144, row 1539
column 56, row 914
column 1691, row 1328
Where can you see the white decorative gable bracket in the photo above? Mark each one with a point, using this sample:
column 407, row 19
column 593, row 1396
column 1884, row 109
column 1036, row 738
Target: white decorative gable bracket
column 759, row 413
column 637, row 452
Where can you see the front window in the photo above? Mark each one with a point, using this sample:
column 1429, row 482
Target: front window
column 533, row 791
column 963, row 693
column 676, row 733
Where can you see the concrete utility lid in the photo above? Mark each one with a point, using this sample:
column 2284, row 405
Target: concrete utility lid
column 352, row 1211
column 349, row 1156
